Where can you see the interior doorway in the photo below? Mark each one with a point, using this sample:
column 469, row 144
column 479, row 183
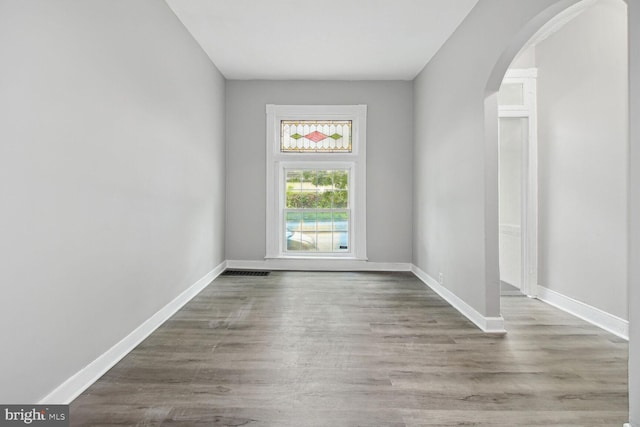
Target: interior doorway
column 584, row 189
column 517, row 174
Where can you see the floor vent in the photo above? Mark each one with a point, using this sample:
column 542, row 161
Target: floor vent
column 245, row 273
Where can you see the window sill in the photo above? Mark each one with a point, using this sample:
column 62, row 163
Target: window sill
column 319, row 257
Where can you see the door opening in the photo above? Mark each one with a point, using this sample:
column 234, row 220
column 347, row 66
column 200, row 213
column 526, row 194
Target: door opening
column 517, row 159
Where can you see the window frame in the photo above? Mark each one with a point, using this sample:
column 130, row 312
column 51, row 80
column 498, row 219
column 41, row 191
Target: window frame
column 351, row 168
column 278, row 162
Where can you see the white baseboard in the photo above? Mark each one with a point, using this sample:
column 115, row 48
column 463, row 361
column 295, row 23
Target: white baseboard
column 71, row 388
column 593, row 315
column 319, row 265
column 493, row 325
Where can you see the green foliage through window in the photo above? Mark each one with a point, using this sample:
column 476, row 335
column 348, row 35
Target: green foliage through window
column 320, row 189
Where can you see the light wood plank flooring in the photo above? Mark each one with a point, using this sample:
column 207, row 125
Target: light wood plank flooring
column 359, row 349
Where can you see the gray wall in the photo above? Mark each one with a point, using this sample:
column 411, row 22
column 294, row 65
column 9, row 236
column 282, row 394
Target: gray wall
column 526, row 58
column 389, row 150
column 634, row 212
column 583, row 149
column 112, row 179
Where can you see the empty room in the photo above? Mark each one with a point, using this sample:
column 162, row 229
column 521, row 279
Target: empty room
column 331, row 213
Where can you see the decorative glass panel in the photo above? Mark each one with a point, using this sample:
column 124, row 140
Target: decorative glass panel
column 315, row 136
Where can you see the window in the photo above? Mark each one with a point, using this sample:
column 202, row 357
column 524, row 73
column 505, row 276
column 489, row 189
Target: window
column 313, row 136
column 316, row 211
column 316, row 181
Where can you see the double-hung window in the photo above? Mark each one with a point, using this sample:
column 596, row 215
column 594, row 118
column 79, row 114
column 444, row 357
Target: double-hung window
column 316, row 181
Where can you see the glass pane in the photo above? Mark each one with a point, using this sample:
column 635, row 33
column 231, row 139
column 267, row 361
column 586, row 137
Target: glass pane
column 294, row 221
column 340, row 242
column 341, row 199
column 325, row 199
column 315, row 136
column 324, row 239
column 340, row 179
column 293, row 200
column 293, row 230
column 294, row 178
column 324, row 179
column 511, row 94
column 340, row 231
column 340, row 220
column 308, row 234
column 308, row 199
column 293, row 186
column 309, row 179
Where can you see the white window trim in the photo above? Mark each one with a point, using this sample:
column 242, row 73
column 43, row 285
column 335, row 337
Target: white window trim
column 277, row 161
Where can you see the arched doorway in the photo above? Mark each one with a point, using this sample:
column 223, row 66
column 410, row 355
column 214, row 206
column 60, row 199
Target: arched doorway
column 633, row 236
column 546, row 23
column 576, row 172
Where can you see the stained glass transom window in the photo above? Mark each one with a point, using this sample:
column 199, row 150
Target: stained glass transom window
column 315, row 136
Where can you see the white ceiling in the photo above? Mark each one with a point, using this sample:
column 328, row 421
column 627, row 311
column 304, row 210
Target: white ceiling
column 321, row 39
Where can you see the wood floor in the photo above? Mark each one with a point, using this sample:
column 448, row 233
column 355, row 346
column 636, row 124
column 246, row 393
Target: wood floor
column 359, row 349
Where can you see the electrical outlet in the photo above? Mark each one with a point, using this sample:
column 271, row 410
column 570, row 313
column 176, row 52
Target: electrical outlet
column 441, row 278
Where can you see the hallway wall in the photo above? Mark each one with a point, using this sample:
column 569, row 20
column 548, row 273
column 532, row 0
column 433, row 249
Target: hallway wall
column 112, row 179
column 582, row 152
